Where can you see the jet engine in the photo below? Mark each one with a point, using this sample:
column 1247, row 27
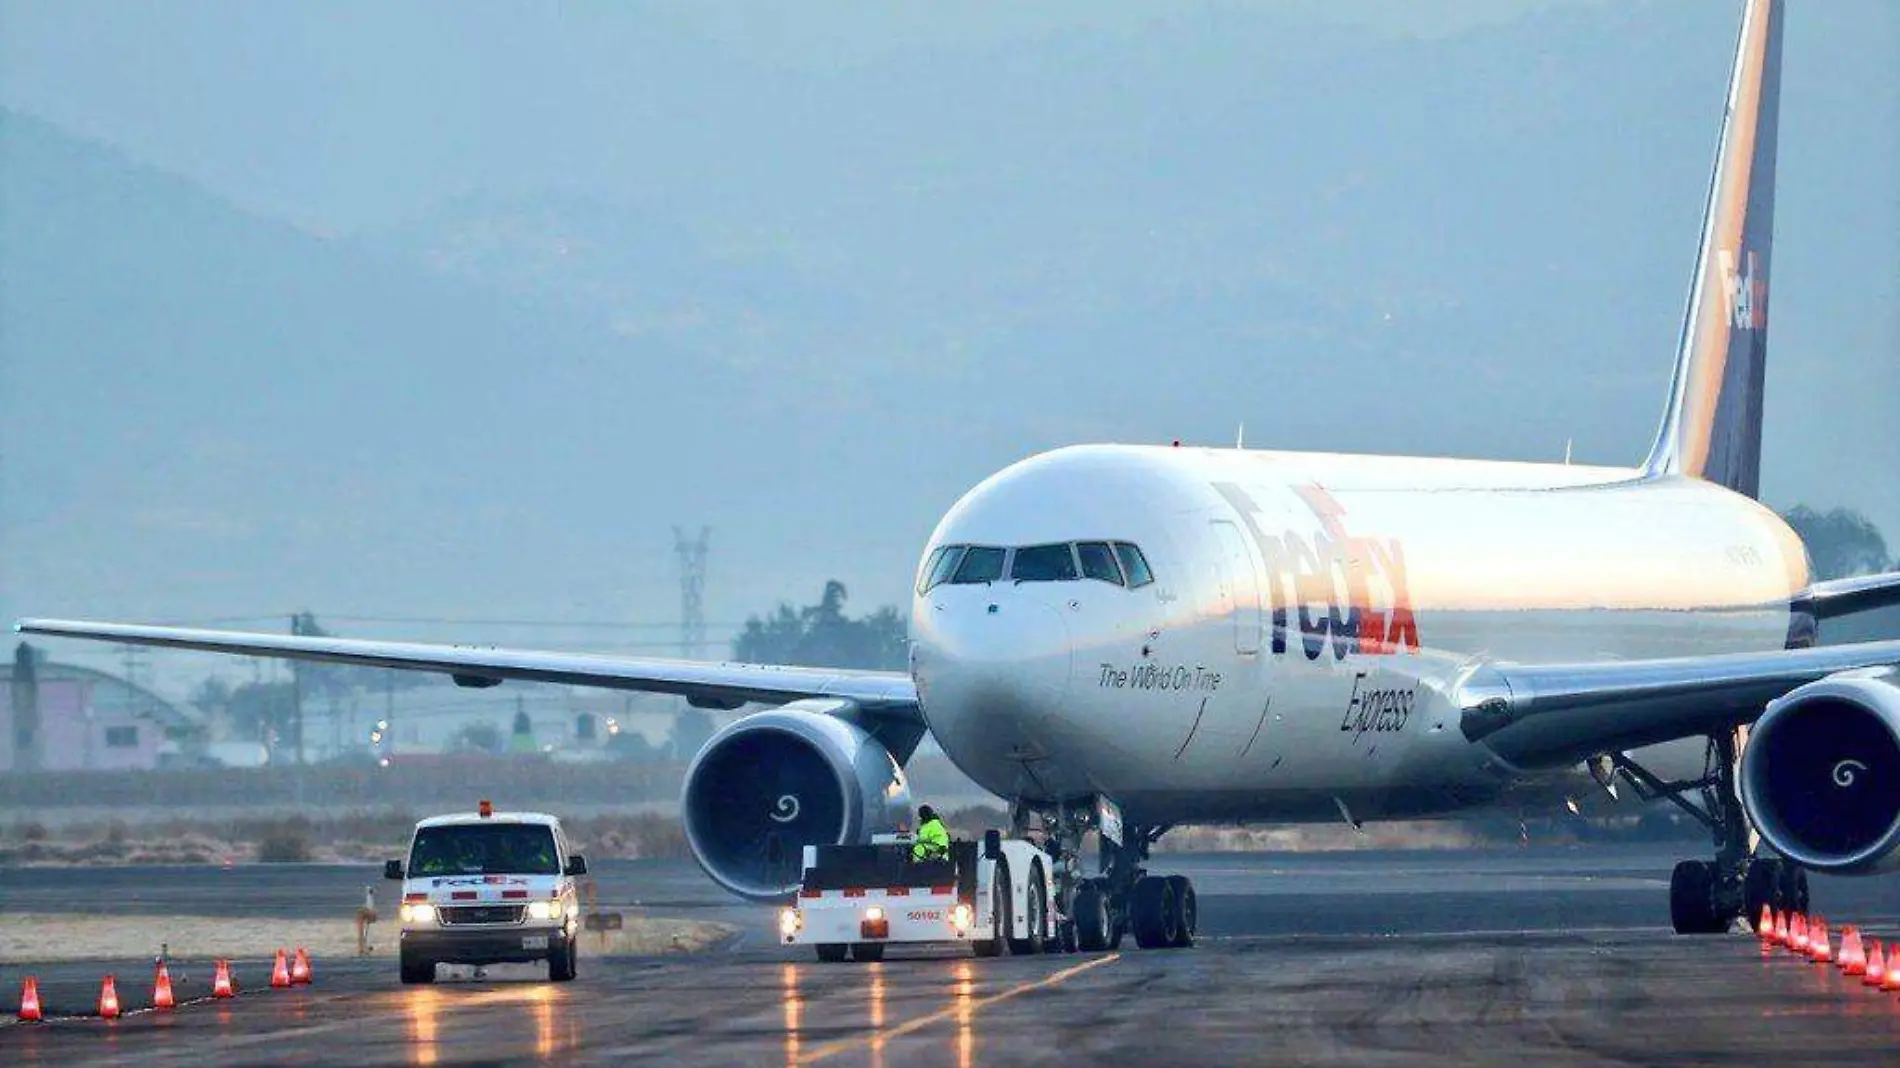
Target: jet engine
column 772, row 783
column 1820, row 776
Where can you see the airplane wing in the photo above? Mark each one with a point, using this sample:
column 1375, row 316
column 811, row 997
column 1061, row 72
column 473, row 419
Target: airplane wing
column 705, row 685
column 1839, row 597
column 1552, row 714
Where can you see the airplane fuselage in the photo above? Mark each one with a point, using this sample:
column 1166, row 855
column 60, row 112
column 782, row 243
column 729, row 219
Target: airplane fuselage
column 1310, row 616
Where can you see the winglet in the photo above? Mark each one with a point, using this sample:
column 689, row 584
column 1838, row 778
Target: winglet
column 1712, row 427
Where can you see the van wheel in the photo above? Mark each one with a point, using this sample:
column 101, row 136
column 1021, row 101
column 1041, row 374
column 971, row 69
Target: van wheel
column 832, row 952
column 416, row 968
column 564, row 965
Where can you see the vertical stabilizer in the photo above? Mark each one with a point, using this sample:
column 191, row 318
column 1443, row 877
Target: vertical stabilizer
column 1712, row 427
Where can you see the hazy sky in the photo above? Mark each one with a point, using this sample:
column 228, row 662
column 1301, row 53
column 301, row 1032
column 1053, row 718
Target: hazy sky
column 405, row 129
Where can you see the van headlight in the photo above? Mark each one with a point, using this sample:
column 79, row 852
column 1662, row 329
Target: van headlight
column 789, row 921
column 960, row 917
column 874, row 914
column 414, row 913
column 543, row 910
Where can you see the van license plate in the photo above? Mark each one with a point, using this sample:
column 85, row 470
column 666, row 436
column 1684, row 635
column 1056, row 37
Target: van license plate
column 534, row 941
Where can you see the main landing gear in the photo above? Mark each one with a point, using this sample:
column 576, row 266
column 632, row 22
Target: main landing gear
column 1706, row 897
column 1096, row 911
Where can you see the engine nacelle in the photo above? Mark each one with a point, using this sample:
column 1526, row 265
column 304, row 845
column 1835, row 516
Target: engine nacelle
column 1820, row 776
column 772, row 783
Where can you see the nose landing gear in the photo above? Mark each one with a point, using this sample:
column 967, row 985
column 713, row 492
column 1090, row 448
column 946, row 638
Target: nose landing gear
column 1096, row 911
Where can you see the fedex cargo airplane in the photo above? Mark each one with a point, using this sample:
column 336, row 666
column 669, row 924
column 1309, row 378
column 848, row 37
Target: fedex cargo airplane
column 1123, row 638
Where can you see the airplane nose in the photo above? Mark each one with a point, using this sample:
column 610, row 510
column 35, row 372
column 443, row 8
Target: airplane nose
column 989, row 668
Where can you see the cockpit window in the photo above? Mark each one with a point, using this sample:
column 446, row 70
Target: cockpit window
column 1135, row 564
column 1044, row 563
column 943, row 563
column 979, row 564
column 1098, row 562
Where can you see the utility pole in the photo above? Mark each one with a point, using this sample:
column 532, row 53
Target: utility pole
column 296, row 694
column 692, row 556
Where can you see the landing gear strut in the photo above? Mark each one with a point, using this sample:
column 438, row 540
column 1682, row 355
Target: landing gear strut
column 1705, row 897
column 1123, row 898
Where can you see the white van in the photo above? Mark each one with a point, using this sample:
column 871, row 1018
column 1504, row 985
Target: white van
column 487, row 888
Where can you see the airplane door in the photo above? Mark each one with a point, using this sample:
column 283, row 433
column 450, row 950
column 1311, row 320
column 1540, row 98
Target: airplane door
column 1241, row 582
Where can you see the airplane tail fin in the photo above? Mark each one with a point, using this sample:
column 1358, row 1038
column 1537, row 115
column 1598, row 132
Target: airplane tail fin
column 1712, row 427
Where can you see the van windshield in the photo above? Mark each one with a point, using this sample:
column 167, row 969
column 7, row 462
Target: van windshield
column 484, row 849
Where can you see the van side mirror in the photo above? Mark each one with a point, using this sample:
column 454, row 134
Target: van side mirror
column 577, row 865
column 992, row 844
column 392, row 869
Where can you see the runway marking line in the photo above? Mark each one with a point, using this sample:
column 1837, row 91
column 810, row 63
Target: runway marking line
column 843, row 1045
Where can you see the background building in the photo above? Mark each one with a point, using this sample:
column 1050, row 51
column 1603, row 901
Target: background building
column 61, row 717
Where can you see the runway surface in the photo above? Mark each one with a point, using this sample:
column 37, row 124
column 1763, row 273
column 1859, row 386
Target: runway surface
column 1509, row 957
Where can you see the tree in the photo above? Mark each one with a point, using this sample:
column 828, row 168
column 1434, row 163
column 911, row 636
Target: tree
column 262, row 709
column 1840, row 542
column 481, row 736
column 521, row 740
column 821, row 635
column 692, row 729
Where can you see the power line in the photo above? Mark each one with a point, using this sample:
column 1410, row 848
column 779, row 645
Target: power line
column 454, row 621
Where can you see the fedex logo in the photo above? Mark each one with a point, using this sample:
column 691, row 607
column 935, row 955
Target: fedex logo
column 1746, row 291
column 1343, row 590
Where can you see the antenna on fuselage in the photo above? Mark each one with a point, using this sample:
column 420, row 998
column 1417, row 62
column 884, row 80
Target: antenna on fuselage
column 1240, row 436
column 1567, row 442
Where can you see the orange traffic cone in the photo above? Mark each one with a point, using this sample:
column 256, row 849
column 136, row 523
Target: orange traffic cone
column 280, row 971
column 1891, row 980
column 162, row 989
column 1820, row 946
column 1765, row 927
column 1782, row 934
column 221, row 982
column 1798, row 932
column 30, row 1000
column 1876, row 965
column 108, row 1000
column 1853, row 955
column 300, row 968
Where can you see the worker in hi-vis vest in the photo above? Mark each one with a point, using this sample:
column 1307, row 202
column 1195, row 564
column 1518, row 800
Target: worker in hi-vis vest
column 933, row 840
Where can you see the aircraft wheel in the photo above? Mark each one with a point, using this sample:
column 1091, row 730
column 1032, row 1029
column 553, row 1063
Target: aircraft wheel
column 1187, row 915
column 1094, row 927
column 1794, row 887
column 1762, row 886
column 1692, row 899
column 1153, row 912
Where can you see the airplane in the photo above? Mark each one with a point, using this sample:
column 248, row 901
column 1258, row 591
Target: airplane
column 1122, row 638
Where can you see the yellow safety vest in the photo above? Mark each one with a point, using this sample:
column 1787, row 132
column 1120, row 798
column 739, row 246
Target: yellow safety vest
column 933, row 842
